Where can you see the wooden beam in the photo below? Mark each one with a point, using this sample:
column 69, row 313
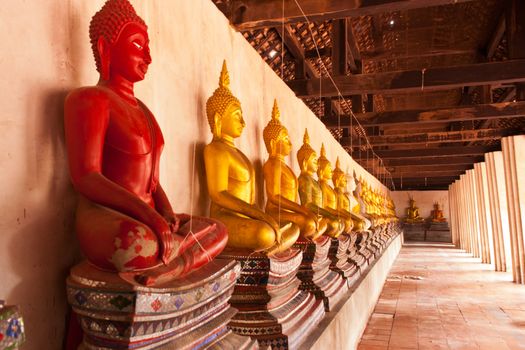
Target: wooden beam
column 460, row 113
column 339, row 47
column 428, row 174
column 433, row 180
column 256, row 14
column 303, row 67
column 495, row 40
column 433, row 79
column 430, row 152
column 411, row 169
column 437, row 137
column 465, row 160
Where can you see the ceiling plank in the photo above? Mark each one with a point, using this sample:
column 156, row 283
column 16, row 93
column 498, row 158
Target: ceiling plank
column 257, row 14
column 429, row 152
column 467, row 160
column 437, row 137
column 421, row 116
column 433, row 79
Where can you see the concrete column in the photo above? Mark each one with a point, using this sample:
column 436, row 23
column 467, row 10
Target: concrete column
column 513, row 149
column 465, row 223
column 483, row 211
column 498, row 209
column 473, row 210
column 453, row 214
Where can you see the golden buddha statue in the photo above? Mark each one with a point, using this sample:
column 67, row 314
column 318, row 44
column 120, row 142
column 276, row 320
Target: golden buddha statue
column 413, row 212
column 310, row 191
column 282, row 184
column 343, row 198
column 231, row 180
column 360, row 207
column 324, row 174
column 436, row 215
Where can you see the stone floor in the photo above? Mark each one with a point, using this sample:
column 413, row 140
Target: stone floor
column 439, row 297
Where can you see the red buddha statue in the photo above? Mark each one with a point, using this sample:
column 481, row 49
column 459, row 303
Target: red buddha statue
column 124, row 221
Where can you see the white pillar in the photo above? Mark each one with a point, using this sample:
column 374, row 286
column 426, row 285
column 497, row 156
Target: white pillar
column 514, row 161
column 483, row 211
column 498, row 210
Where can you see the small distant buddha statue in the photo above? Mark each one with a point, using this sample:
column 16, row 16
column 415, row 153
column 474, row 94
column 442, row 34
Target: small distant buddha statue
column 310, row 191
column 413, row 212
column 282, row 184
column 125, row 222
column 325, row 174
column 437, row 214
column 231, row 180
column 359, row 220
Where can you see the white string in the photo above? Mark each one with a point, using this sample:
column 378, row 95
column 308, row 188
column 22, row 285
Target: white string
column 192, row 194
column 332, row 80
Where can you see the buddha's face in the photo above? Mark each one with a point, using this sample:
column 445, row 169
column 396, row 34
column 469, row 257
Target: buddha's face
column 311, row 163
column 325, row 172
column 283, row 145
column 130, row 54
column 232, row 122
column 340, row 181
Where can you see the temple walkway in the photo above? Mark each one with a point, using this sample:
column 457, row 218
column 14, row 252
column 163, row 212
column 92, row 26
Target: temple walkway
column 439, row 297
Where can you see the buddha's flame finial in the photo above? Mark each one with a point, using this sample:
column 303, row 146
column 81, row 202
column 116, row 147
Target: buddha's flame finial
column 224, row 79
column 276, row 114
column 306, row 137
column 323, row 150
column 337, row 163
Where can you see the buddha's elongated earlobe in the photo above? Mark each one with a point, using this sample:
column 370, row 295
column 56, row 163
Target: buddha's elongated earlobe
column 104, row 54
column 217, row 125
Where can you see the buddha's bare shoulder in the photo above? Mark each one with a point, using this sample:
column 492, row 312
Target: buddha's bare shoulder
column 216, row 148
column 87, row 93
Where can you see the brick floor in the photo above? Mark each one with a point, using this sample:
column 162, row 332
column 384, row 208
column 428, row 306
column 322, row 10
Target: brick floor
column 439, row 297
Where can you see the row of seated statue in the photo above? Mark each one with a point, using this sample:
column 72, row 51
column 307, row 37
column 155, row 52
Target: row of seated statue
column 125, row 223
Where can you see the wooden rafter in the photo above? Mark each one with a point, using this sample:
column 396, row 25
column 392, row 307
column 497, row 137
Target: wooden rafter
column 256, row 14
column 461, row 160
column 429, row 152
column 460, row 113
column 437, row 137
column 433, row 79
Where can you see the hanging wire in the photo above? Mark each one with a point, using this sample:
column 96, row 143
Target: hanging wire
column 323, row 67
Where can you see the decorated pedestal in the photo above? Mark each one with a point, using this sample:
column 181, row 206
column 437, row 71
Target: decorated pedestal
column 340, row 262
column 271, row 307
column 12, row 333
column 354, row 254
column 364, row 247
column 315, row 273
column 188, row 313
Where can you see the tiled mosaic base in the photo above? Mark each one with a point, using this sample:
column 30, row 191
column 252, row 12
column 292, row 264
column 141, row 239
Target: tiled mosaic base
column 340, row 262
column 12, row 333
column 190, row 313
column 315, row 273
column 271, row 307
column 354, row 253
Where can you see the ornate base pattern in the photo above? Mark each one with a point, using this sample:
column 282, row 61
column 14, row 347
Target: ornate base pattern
column 316, row 274
column 12, row 333
column 190, row 313
column 271, row 307
column 340, row 261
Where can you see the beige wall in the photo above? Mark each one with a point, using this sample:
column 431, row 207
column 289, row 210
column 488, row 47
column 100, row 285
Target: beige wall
column 45, row 54
column 424, row 201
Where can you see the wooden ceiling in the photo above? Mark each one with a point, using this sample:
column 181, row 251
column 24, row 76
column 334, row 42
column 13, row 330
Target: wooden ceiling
column 435, row 84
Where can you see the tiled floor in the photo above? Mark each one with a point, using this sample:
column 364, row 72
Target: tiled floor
column 438, row 297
